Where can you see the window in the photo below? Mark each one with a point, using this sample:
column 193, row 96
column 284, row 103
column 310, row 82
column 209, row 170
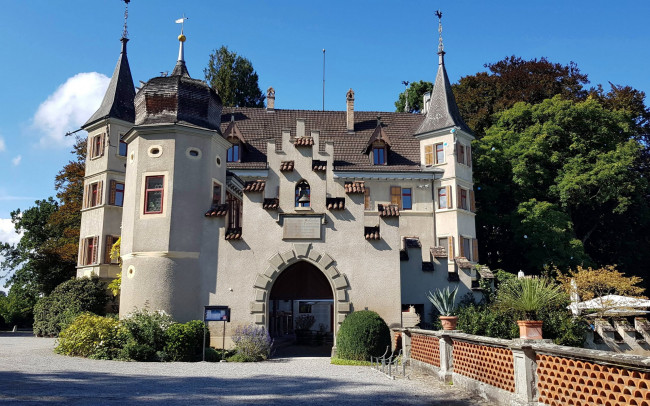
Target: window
column 442, row 198
column 233, row 153
column 88, row 251
column 123, row 148
column 110, row 240
column 216, row 194
column 407, row 201
column 116, row 197
column 440, row 153
column 466, row 248
column 93, row 194
column 153, row 198
column 379, row 155
column 442, row 242
column 302, row 194
column 396, row 196
column 428, row 154
column 304, row 307
column 366, row 199
column 96, row 146
column 234, row 211
column 461, row 153
column 462, row 199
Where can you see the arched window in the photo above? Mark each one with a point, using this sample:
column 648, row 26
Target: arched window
column 302, row 194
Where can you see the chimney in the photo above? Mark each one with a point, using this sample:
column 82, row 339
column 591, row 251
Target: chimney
column 425, row 102
column 270, row 99
column 349, row 97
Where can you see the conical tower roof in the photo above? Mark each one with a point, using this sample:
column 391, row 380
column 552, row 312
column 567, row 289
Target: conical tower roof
column 118, row 100
column 443, row 111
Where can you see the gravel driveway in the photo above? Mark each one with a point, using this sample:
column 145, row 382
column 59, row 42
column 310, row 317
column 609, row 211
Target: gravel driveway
column 30, row 373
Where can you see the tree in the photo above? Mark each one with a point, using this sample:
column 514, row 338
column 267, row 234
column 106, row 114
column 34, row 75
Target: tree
column 591, row 283
column 513, row 80
column 555, row 181
column 234, row 79
column 415, row 96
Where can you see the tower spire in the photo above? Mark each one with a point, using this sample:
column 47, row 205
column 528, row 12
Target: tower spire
column 180, row 69
column 125, row 32
column 441, row 46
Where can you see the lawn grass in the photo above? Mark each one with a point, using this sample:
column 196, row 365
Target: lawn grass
column 340, row 361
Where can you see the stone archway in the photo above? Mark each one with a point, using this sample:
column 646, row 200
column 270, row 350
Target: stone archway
column 281, row 261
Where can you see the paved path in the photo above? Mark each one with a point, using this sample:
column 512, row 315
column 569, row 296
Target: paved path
column 30, row 373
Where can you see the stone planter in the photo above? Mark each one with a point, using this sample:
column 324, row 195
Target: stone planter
column 530, row 329
column 448, row 322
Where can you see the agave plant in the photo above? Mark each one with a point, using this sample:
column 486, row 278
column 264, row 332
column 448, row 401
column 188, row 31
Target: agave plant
column 443, row 300
column 529, row 296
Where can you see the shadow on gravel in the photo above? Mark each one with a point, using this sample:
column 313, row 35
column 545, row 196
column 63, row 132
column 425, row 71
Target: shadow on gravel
column 103, row 388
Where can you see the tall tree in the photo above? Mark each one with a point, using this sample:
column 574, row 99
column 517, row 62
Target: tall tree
column 415, row 93
column 234, row 79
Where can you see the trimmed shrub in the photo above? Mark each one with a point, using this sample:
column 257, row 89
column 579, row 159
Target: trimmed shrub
column 185, row 341
column 54, row 312
column 362, row 334
column 92, row 336
column 252, row 343
column 146, row 335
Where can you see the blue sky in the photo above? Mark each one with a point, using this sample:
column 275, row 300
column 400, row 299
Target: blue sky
column 57, row 55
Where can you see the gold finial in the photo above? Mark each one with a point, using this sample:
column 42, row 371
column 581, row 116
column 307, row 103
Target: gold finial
column 181, row 38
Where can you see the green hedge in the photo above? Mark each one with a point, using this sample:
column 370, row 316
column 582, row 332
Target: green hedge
column 185, row 341
column 362, row 334
column 93, row 336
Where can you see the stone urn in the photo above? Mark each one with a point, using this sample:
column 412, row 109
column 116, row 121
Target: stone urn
column 530, row 329
column 448, row 322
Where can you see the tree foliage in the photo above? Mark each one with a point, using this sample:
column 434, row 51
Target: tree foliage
column 234, row 79
column 415, row 93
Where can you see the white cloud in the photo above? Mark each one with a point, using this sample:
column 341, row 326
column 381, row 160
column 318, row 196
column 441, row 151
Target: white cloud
column 8, row 232
column 69, row 107
column 16, row 160
column 3, row 146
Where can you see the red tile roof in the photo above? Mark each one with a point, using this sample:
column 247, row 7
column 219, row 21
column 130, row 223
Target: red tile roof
column 303, row 142
column 335, row 203
column 317, row 165
column 438, row 252
column 463, row 263
column 255, row 186
column 233, row 233
column 372, row 233
column 388, row 210
column 355, row 187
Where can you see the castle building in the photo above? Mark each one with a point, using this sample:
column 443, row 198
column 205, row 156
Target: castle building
column 276, row 213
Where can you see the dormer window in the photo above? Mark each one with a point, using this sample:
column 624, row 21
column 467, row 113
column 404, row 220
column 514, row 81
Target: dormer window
column 234, row 153
column 303, row 194
column 379, row 155
column 378, row 145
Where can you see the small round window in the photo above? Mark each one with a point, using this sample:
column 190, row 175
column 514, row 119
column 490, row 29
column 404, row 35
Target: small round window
column 130, row 273
column 193, row 153
column 155, row 151
column 218, row 161
column 131, row 157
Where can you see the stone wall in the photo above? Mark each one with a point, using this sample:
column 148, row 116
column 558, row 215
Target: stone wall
column 530, row 372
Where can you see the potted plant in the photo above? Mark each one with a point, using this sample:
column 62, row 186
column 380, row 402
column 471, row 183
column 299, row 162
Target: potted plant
column 444, row 301
column 528, row 296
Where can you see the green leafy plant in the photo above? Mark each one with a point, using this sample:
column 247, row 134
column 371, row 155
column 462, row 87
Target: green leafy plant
column 444, row 300
column 362, row 334
column 184, row 342
column 528, row 296
column 146, row 335
column 92, row 336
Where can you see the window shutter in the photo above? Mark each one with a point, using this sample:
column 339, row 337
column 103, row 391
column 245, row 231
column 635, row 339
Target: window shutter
column 89, row 152
column 461, row 247
column 472, row 201
column 428, row 154
column 468, row 150
column 109, row 245
column 450, row 250
column 457, row 146
column 450, row 198
column 396, row 196
column 111, row 197
column 83, row 247
column 101, row 153
column 84, row 202
column 95, row 250
column 100, row 192
column 459, row 200
column 475, row 249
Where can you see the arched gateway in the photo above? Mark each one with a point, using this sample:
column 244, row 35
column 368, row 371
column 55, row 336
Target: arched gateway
column 297, row 274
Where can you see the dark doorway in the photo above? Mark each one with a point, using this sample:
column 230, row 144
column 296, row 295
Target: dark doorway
column 301, row 311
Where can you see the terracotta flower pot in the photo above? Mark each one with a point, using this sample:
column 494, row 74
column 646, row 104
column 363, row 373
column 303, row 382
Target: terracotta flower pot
column 530, row 329
column 448, row 322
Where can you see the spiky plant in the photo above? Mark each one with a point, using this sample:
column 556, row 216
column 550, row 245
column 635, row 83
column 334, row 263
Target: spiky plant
column 530, row 295
column 443, row 300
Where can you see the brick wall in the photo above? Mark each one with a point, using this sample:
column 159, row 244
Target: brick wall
column 425, row 349
column 491, row 365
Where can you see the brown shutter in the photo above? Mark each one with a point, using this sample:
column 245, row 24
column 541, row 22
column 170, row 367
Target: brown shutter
column 396, row 196
column 366, row 199
column 475, row 249
column 100, row 192
column 450, row 198
column 468, row 152
column 428, row 154
column 459, row 201
column 82, row 251
column 472, row 201
column 461, row 247
column 109, row 245
column 103, row 143
column 111, row 196
column 457, row 146
column 95, row 249
column 84, row 202
column 450, row 251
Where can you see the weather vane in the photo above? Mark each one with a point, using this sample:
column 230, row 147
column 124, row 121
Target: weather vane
column 181, row 21
column 125, row 32
column 441, row 47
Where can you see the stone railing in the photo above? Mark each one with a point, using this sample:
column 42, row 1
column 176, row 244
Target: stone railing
column 530, row 372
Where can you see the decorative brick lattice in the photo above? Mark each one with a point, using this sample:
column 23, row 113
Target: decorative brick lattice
column 563, row 381
column 491, row 365
column 426, row 349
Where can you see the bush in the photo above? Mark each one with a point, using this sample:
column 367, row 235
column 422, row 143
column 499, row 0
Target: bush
column 252, row 343
column 52, row 313
column 92, row 336
column 146, row 335
column 362, row 334
column 185, row 341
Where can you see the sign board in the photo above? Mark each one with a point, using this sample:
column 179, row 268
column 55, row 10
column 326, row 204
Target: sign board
column 302, row 227
column 217, row 313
